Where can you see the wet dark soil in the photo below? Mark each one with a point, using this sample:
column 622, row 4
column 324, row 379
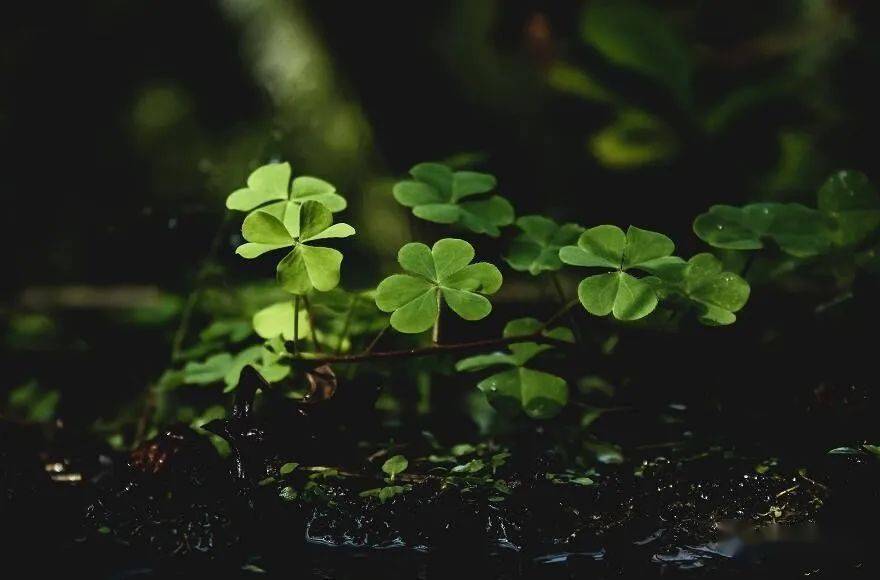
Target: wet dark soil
column 176, row 507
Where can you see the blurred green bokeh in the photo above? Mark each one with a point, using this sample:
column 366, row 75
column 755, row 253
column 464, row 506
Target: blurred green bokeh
column 129, row 123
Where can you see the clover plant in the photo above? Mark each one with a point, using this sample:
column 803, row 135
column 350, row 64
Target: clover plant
column 617, row 291
column 848, row 211
column 635, row 270
column 442, row 271
column 717, row 294
column 539, row 394
column 306, row 266
column 436, row 194
column 536, row 249
column 270, row 189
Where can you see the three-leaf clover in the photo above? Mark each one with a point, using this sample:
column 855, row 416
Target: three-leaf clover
column 443, row 270
column 305, row 266
column 618, row 292
column 849, row 199
column 536, row 249
column 436, row 192
column 797, row 230
column 703, row 281
column 539, row 394
column 270, row 189
column 719, row 293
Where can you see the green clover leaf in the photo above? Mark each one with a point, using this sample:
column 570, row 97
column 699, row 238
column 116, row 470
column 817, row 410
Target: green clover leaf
column 539, row 394
column 536, row 249
column 443, row 270
column 270, row 189
column 277, row 320
column 797, row 230
column 436, row 192
column 306, row 266
column 618, row 292
column 852, row 203
column 719, row 293
column 227, row 367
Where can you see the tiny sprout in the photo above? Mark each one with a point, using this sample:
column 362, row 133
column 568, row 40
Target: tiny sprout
column 394, row 466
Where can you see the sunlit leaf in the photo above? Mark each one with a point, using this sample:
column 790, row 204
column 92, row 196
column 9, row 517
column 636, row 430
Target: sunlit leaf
column 306, row 266
column 277, row 320
column 395, row 465
column 442, row 271
column 270, row 184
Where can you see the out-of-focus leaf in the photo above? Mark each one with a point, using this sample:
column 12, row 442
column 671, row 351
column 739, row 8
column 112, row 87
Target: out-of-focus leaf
column 436, row 192
column 850, row 200
column 637, row 36
column 536, row 249
column 633, row 140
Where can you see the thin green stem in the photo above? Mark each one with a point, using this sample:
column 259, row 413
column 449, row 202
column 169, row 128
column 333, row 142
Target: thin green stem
column 562, row 301
column 347, row 325
column 312, row 330
column 435, row 334
column 296, row 324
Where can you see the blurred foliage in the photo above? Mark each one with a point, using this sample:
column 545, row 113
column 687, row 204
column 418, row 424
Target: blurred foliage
column 591, row 111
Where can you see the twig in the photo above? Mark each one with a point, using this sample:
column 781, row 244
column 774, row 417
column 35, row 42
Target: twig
column 367, row 356
column 376, row 339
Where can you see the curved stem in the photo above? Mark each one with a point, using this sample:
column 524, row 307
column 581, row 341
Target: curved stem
column 435, row 349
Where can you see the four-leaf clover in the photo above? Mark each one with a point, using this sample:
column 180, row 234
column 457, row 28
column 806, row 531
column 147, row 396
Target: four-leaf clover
column 443, row 270
column 305, row 266
column 618, row 292
column 540, row 395
column 436, row 192
column 270, row 189
column 536, row 249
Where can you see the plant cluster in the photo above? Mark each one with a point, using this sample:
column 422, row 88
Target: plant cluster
column 631, row 274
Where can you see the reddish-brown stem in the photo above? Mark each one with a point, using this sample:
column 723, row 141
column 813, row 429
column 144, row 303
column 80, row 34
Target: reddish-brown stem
column 435, row 349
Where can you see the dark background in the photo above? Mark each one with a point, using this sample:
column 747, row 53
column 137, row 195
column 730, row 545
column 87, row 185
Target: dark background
column 127, row 123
